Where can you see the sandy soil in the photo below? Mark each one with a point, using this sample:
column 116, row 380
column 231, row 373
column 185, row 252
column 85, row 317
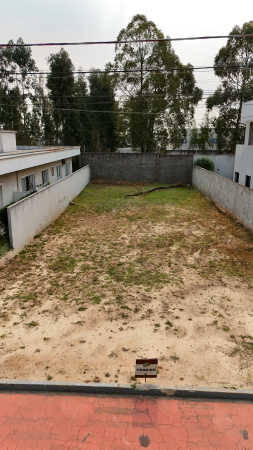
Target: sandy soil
column 96, row 291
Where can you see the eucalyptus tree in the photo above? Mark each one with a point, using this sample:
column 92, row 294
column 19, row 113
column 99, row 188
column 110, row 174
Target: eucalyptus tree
column 160, row 92
column 17, row 82
column 234, row 67
column 103, row 109
column 61, row 85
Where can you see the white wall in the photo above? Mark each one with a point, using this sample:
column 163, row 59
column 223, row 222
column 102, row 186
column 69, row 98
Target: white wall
column 247, row 111
column 235, row 199
column 13, row 162
column 223, row 164
column 11, row 182
column 32, row 214
column 7, row 141
column 9, row 185
column 244, row 163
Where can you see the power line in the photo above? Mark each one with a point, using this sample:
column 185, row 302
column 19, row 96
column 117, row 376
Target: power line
column 133, row 41
column 132, row 71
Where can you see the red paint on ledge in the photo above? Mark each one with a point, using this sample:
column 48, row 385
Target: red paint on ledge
column 85, row 422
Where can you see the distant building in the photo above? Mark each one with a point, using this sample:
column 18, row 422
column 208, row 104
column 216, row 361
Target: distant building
column 243, row 168
column 26, row 171
column 186, row 142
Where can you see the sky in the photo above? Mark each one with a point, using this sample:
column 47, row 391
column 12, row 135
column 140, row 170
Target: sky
column 41, row 21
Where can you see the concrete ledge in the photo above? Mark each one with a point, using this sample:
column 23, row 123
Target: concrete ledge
column 127, row 389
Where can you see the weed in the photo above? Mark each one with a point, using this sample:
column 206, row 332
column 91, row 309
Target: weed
column 96, row 379
column 175, row 358
column 33, row 324
column 49, row 377
column 107, row 375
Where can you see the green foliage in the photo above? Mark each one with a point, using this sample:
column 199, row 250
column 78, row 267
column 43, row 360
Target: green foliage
column 16, row 85
column 205, row 163
column 233, row 65
column 4, row 220
column 159, row 99
column 60, row 83
column 200, row 137
column 102, row 105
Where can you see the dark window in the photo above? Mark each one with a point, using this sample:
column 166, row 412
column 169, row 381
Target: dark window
column 247, row 181
column 236, row 177
column 250, row 142
column 28, row 183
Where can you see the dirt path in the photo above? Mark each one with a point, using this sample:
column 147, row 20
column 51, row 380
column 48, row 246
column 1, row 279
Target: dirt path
column 117, row 279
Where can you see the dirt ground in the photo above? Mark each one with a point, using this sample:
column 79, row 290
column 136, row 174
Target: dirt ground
column 165, row 275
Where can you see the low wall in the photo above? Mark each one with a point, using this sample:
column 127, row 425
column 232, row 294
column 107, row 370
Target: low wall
column 223, row 164
column 32, row 214
column 232, row 197
column 146, row 167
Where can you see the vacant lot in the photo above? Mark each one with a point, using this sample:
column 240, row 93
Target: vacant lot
column 117, row 278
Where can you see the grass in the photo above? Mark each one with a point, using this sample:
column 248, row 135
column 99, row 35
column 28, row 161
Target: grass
column 114, row 253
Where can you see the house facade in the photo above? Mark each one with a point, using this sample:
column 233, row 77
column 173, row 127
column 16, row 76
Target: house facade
column 243, row 168
column 25, row 171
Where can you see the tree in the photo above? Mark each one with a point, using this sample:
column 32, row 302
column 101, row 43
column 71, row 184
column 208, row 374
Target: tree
column 200, row 137
column 160, row 92
column 102, row 107
column 16, row 86
column 81, row 129
column 61, row 85
column 233, row 65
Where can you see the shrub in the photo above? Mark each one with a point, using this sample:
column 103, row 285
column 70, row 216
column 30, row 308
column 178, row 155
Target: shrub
column 205, row 163
column 4, row 220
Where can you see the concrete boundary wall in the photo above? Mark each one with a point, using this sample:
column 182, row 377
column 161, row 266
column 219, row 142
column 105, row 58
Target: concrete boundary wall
column 32, row 214
column 126, row 389
column 143, row 167
column 233, row 198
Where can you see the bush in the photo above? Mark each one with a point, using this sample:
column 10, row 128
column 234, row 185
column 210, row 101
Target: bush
column 205, row 163
column 4, row 220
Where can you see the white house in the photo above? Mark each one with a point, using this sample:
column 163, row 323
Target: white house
column 26, row 171
column 243, row 168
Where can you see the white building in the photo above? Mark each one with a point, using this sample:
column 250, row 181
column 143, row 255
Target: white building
column 243, row 169
column 26, row 171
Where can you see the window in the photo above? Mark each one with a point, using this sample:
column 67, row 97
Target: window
column 28, row 183
column 67, row 168
column 247, row 181
column 44, row 177
column 58, row 170
column 250, row 134
column 236, row 177
column 52, row 171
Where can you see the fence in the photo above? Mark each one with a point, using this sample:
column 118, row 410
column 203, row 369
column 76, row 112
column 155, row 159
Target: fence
column 30, row 215
column 232, row 197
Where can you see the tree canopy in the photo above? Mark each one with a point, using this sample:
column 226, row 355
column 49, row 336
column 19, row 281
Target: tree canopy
column 234, row 67
column 160, row 92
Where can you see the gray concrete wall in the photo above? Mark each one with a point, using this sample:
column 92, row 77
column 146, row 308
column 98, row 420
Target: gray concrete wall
column 146, row 167
column 32, row 214
column 233, row 198
column 223, row 164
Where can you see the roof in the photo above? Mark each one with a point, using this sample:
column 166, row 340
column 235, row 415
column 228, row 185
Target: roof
column 24, row 159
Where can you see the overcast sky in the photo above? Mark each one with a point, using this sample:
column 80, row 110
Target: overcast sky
column 94, row 20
